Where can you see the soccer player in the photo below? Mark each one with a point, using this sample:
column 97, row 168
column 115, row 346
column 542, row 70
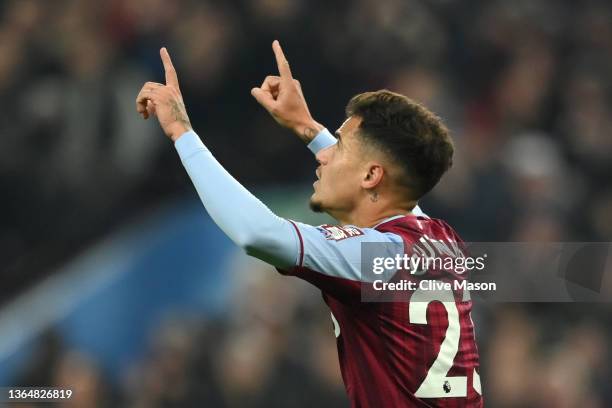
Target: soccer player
column 388, row 153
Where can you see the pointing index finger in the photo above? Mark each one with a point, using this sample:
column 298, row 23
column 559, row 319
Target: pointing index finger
column 171, row 78
column 281, row 61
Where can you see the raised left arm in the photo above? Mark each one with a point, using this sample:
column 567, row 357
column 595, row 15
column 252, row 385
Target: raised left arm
column 245, row 219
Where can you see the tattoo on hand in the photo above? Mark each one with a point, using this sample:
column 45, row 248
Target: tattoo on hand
column 180, row 114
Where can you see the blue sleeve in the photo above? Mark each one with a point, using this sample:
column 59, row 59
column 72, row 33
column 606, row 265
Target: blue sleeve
column 246, row 220
column 252, row 226
column 322, row 140
column 336, row 251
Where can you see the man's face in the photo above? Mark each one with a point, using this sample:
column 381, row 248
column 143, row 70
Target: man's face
column 340, row 172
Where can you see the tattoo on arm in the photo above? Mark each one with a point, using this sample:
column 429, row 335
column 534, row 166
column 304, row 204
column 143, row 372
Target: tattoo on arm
column 309, row 134
column 180, row 114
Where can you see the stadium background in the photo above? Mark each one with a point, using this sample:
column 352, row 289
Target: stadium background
column 114, row 280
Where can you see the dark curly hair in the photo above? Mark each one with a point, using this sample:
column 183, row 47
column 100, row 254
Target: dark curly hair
column 410, row 134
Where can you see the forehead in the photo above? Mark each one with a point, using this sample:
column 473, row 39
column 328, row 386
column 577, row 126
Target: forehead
column 349, row 126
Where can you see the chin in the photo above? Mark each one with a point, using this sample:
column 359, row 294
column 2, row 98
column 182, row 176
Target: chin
column 315, row 204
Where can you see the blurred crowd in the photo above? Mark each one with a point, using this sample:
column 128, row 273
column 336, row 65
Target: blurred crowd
column 274, row 347
column 255, row 355
column 524, row 86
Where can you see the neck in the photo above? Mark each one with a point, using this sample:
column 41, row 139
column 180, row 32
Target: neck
column 369, row 213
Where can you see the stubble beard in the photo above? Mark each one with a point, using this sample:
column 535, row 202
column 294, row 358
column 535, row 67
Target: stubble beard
column 316, row 206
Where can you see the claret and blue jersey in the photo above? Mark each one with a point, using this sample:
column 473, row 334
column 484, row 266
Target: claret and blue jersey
column 418, row 352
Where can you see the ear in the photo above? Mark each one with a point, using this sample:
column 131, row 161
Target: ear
column 373, row 175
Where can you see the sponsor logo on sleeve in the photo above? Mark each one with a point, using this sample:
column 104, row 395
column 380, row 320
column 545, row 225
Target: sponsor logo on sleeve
column 337, row 233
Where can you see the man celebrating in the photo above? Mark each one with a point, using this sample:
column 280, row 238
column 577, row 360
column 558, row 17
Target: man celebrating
column 388, row 153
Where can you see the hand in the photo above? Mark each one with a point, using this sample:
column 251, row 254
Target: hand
column 282, row 97
column 165, row 102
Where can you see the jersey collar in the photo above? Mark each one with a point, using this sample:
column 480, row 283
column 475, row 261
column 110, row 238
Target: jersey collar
column 394, row 217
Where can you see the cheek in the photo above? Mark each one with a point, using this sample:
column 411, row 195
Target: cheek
column 336, row 173
column 343, row 177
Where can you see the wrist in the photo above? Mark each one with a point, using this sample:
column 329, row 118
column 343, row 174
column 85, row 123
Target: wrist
column 177, row 130
column 308, row 131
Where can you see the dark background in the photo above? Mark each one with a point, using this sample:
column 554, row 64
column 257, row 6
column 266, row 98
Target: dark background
column 524, row 87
